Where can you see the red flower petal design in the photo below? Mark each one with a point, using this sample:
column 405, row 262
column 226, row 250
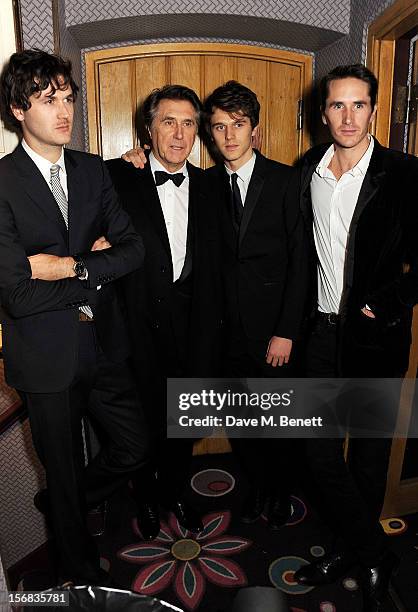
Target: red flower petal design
column 189, row 585
column 176, row 528
column 224, row 572
column 226, row 545
column 165, row 534
column 143, row 553
column 154, row 578
column 215, row 525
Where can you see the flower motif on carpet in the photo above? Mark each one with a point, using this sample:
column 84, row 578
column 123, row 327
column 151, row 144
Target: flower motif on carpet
column 187, row 560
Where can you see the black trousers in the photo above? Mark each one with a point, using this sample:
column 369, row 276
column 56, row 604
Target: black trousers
column 259, row 457
column 351, row 493
column 108, row 392
column 166, row 477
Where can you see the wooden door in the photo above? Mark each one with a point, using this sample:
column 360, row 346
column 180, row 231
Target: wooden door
column 119, row 79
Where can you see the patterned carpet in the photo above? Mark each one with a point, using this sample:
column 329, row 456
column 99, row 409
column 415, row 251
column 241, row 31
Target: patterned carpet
column 205, row 572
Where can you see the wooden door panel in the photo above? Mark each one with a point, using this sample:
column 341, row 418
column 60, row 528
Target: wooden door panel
column 284, row 87
column 217, row 70
column 150, row 73
column 253, row 74
column 185, row 70
column 117, row 107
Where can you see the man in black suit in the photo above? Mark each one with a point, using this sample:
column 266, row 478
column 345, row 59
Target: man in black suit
column 358, row 199
column 64, row 342
column 173, row 301
column 264, row 267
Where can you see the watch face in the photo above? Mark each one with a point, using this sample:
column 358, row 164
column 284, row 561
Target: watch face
column 79, row 268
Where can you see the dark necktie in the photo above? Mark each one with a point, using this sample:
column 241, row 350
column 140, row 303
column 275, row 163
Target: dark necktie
column 237, row 206
column 162, row 177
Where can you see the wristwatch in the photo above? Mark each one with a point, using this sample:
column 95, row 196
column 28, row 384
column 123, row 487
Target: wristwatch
column 79, row 267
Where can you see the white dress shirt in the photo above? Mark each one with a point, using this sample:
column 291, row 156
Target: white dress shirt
column 244, row 175
column 44, row 167
column 175, row 206
column 333, row 205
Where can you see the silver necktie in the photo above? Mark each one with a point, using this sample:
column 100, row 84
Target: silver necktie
column 58, row 192
column 61, row 200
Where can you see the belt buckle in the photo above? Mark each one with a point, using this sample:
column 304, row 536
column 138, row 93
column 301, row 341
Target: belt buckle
column 332, row 318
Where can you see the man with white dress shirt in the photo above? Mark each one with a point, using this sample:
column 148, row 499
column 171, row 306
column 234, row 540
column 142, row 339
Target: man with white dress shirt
column 173, row 302
column 359, row 202
column 65, row 345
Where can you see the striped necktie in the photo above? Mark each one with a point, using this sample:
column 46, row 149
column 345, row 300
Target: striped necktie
column 61, row 200
column 58, row 192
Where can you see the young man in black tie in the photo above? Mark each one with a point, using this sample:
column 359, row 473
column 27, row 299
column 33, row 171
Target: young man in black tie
column 264, row 268
column 173, row 324
column 65, row 346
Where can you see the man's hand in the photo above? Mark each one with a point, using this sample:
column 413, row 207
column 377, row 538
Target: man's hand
column 278, row 351
column 368, row 313
column 257, row 138
column 136, row 157
column 100, row 244
column 51, row 267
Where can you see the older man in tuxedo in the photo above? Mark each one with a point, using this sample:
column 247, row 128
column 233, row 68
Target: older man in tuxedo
column 172, row 303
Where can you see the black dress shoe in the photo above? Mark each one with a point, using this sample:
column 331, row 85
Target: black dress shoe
column 41, row 503
column 326, row 570
column 148, row 520
column 186, row 515
column 279, row 511
column 253, row 506
column 375, row 582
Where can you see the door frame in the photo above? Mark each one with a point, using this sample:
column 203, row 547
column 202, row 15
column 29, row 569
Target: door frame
column 401, row 495
column 93, row 60
column 383, row 33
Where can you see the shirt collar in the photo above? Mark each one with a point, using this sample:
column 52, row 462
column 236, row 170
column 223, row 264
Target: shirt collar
column 359, row 169
column 44, row 165
column 155, row 165
column 245, row 171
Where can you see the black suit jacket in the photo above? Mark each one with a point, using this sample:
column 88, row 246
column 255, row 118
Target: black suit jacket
column 381, row 267
column 187, row 312
column 265, row 262
column 40, row 318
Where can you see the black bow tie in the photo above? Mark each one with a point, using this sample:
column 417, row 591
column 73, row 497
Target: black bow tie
column 162, row 177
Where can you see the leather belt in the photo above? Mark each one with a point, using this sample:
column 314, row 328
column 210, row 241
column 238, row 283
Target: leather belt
column 83, row 317
column 330, row 318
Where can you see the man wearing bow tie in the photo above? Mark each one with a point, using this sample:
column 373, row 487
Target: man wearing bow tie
column 172, row 301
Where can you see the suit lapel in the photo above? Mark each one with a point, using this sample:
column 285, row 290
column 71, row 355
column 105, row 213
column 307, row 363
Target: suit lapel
column 77, row 192
column 151, row 202
column 192, row 213
column 371, row 185
column 38, row 191
column 253, row 194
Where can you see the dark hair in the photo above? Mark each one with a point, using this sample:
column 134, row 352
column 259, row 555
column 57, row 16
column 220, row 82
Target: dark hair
column 169, row 92
column 29, row 73
column 356, row 71
column 233, row 98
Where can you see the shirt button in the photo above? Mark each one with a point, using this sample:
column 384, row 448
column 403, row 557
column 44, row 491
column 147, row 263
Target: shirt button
column 163, row 269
